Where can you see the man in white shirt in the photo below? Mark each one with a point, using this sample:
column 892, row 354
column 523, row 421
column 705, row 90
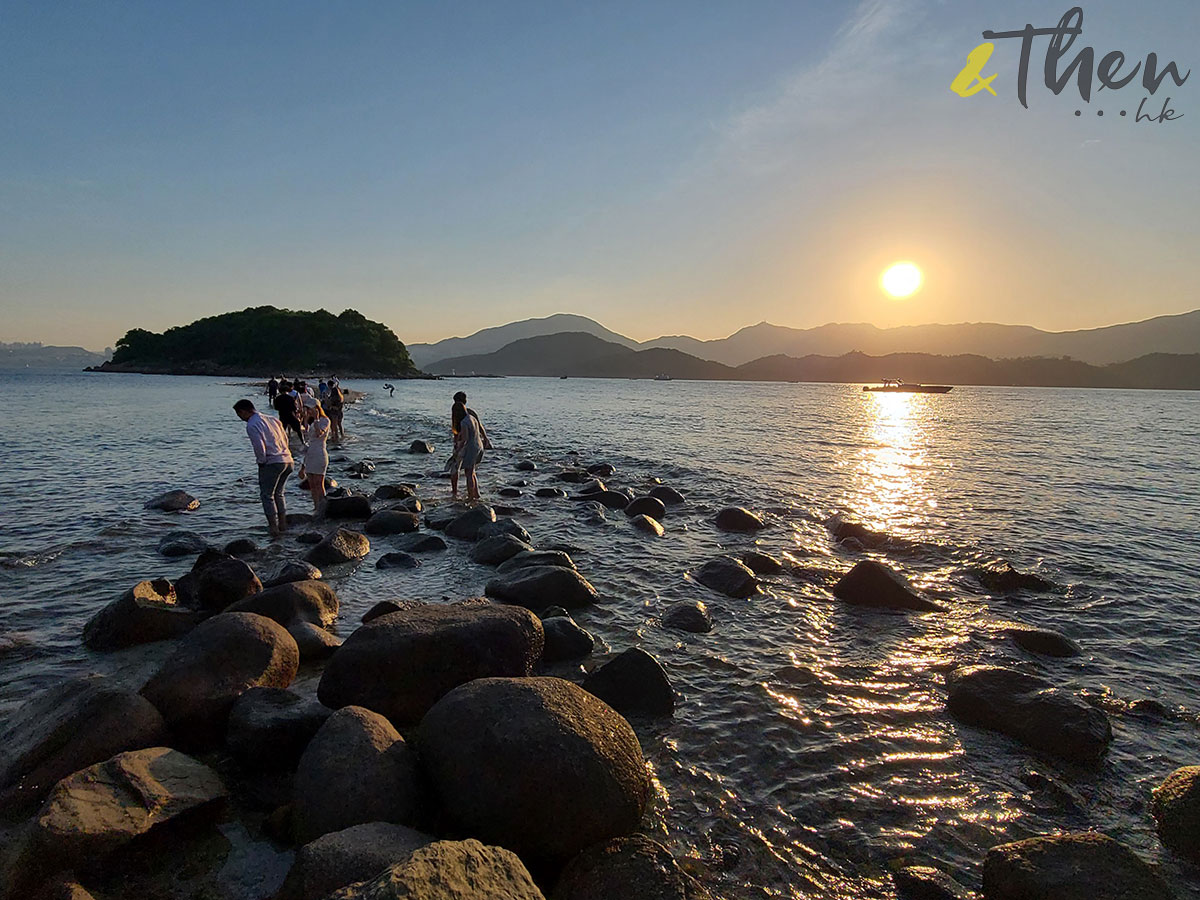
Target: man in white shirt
column 270, row 444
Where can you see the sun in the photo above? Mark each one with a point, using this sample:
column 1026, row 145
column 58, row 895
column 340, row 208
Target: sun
column 902, row 279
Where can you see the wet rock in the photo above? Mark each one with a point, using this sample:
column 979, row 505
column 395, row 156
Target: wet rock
column 314, row 642
column 309, row 537
column 633, row 682
column 397, row 560
column 1007, row 580
column 527, row 559
column 304, row 601
column 647, row 506
column 420, row 447
column 357, row 769
column 240, row 547
column 728, row 576
column 609, row 499
column 602, row 470
column 761, row 563
column 354, row 854
column 735, row 518
column 559, row 747
column 411, row 504
column 215, row 664
column 504, row 526
column 573, row 476
column 648, row 525
column 401, row 663
column 550, row 492
column 668, row 495
column 1177, row 812
column 339, row 547
column 873, row 584
column 553, row 612
column 450, row 870
column 927, row 883
column 218, row 581
column 1043, row 641
column 393, row 521
column 466, row 526
column 1082, row 866
column 419, row 543
column 510, row 492
column 634, row 866
column 146, row 612
column 844, row 532
column 494, row 550
column 67, row 727
column 440, row 517
column 588, row 489
column 181, row 543
column 395, row 491
column 173, row 501
column 295, row 570
column 270, row 727
column 383, row 607
column 352, row 506
column 688, row 615
column 542, row 586
column 363, row 467
column 565, row 639
column 1030, row 710
column 526, row 465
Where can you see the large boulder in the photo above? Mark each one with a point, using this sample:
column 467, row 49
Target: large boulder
column 401, row 663
column 634, row 866
column 735, row 518
column 1177, row 812
column 214, row 665
column 419, row 543
column 537, row 765
column 303, row 601
column 173, row 501
column 341, row 858
column 646, row 506
column 1029, row 709
column 339, row 546
column 528, row 559
column 450, row 870
column 633, row 682
column 68, row 727
column 351, row 506
column 467, row 525
column 871, row 583
column 270, row 727
column 147, row 612
column 1082, row 866
column 492, row 551
column 357, row 769
column 393, row 521
column 181, row 543
column 728, row 576
column 219, row 581
column 542, row 586
column 565, row 640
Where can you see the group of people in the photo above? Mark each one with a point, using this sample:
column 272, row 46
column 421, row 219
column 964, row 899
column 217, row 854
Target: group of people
column 313, row 423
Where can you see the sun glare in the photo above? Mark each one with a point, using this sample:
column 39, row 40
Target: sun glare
column 902, row 279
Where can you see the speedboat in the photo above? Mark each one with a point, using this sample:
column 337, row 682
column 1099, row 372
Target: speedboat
column 896, row 386
column 662, row 377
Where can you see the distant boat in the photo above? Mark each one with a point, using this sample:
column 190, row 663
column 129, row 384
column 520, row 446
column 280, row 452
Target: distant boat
column 563, row 377
column 896, row 386
column 662, row 377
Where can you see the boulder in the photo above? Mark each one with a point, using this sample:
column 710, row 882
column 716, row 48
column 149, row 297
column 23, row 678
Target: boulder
column 1007, row 580
column 1030, row 710
column 240, row 547
column 528, row 559
column 449, row 870
column 927, row 883
column 309, row 537
column 633, row 682
column 647, row 506
column 542, row 586
column 1177, row 812
column 468, row 524
column 609, row 499
column 574, row 476
column 397, row 561
column 215, row 664
column 363, row 467
column 419, row 543
column 219, row 581
column 1043, row 641
column 440, row 517
column 341, row 858
column 761, row 563
column 420, row 447
column 395, row 491
column 873, row 584
column 411, row 504
column 497, row 549
column 648, row 525
column 356, row 769
column 401, row 663
column 303, row 601
column 537, row 765
column 147, row 612
column 340, row 546
column 67, row 727
column 602, row 470
column 510, row 492
column 352, row 506
column 270, row 727
column 735, row 518
column 314, row 642
column 1081, row 866
column 296, row 570
column 383, row 607
column 853, row 532
column 550, row 492
column 688, row 615
column 526, row 465
column 181, row 543
column 173, row 501
column 565, row 640
column 668, row 495
column 393, row 521
column 589, row 488
column 633, row 866
column 728, row 576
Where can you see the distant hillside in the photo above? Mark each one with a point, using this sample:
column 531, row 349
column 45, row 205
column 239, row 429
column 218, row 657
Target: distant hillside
column 492, row 339
column 265, row 341
column 37, row 357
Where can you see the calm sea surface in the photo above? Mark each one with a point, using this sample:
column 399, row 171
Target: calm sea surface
column 811, row 751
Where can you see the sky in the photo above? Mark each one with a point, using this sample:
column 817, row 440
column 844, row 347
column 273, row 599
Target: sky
column 662, row 167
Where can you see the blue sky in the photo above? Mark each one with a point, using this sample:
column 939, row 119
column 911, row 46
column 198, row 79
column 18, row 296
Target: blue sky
column 662, row 167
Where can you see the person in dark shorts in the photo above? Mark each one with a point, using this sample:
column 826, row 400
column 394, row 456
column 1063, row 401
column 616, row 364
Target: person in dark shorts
column 334, row 404
column 287, row 404
column 272, row 389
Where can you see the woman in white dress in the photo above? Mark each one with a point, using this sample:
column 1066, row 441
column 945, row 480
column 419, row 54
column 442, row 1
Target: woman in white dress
column 316, row 456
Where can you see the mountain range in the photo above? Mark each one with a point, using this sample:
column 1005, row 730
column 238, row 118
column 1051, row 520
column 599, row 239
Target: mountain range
column 39, row 357
column 1179, row 334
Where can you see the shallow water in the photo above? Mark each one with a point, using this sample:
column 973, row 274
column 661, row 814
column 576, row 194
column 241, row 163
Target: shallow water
column 810, row 751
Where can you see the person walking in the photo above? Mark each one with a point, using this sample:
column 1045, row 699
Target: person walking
column 270, row 444
column 287, row 404
column 470, row 440
column 272, row 389
column 334, row 407
column 316, row 455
